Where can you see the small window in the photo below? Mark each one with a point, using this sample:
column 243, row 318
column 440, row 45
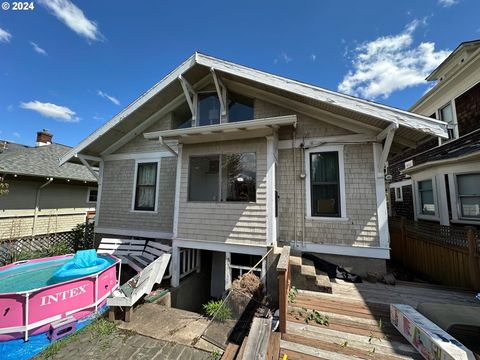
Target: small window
column 92, row 195
column 230, row 177
column 325, row 184
column 468, row 188
column 208, row 109
column 399, row 194
column 146, row 186
column 446, row 115
column 426, row 198
column 240, row 108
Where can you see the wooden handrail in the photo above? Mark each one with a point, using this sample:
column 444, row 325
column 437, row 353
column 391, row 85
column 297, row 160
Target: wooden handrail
column 283, row 270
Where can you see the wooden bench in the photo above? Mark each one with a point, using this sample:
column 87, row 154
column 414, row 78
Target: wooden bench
column 135, row 253
column 141, row 284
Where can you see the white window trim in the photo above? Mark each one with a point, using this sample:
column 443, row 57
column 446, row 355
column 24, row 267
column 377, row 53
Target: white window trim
column 157, row 186
column 398, row 197
column 417, row 202
column 456, row 134
column 88, row 195
column 455, row 199
column 341, row 175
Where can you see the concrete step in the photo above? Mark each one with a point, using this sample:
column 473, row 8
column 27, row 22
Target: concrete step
column 306, row 277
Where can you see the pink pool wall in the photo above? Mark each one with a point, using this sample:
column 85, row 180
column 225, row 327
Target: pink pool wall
column 76, row 297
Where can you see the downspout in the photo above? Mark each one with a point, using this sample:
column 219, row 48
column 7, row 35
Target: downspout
column 302, row 176
column 37, row 200
column 294, row 190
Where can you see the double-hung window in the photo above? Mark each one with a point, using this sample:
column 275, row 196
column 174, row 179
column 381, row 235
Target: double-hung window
column 92, row 195
column 446, row 114
column 325, row 183
column 468, row 192
column 426, row 197
column 146, row 186
column 228, row 177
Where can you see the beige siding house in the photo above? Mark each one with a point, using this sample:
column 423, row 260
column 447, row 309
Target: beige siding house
column 229, row 160
column 43, row 197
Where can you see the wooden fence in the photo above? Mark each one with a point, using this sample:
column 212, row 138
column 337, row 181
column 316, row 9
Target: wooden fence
column 446, row 255
column 46, row 245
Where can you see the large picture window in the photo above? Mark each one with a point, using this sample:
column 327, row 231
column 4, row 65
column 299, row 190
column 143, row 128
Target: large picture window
column 228, row 177
column 426, row 197
column 146, row 186
column 325, row 184
column 468, row 189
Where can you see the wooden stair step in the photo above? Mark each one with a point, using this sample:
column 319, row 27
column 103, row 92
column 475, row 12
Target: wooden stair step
column 341, row 348
column 367, row 343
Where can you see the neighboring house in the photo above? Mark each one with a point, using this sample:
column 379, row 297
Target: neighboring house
column 43, row 197
column 440, row 179
column 232, row 161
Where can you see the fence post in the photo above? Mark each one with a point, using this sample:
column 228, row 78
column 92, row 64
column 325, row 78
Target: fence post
column 403, row 236
column 472, row 258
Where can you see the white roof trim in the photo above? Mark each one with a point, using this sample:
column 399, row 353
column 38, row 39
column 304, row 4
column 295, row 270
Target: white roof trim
column 387, row 113
column 167, row 80
column 429, row 164
column 226, row 127
column 403, row 118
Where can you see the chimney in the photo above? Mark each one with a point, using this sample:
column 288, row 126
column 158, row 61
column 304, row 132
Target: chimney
column 43, row 138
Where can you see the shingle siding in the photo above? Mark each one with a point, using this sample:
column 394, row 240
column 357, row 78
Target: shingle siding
column 224, row 221
column 117, row 192
column 361, row 210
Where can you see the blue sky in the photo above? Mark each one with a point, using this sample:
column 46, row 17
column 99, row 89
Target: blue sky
column 70, row 66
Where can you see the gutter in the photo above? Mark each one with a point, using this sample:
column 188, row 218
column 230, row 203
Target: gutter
column 37, row 200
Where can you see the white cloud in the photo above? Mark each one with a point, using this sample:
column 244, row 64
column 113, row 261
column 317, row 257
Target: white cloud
column 391, row 63
column 72, row 16
column 37, row 48
column 313, row 57
column 448, row 3
column 109, row 97
column 61, row 113
column 16, row 134
column 5, row 36
column 283, row 57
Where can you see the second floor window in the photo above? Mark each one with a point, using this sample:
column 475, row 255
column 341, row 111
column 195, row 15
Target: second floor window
column 228, row 177
column 446, row 115
column 146, row 187
column 208, row 109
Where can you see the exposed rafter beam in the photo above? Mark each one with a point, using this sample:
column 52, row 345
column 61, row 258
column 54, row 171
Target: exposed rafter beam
column 83, row 160
column 383, row 134
column 189, row 93
column 221, row 92
column 386, row 148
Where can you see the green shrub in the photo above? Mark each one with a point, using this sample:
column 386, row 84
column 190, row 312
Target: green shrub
column 80, row 241
column 217, row 309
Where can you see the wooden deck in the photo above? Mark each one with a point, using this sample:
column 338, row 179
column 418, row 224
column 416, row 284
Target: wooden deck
column 359, row 321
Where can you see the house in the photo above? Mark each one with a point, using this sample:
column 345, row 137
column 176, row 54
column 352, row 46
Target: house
column 230, row 161
column 43, row 197
column 440, row 179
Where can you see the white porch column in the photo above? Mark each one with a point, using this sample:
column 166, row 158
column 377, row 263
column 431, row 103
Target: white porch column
column 176, row 210
column 442, row 199
column 263, row 274
column 382, row 212
column 228, row 270
column 271, row 161
column 175, row 267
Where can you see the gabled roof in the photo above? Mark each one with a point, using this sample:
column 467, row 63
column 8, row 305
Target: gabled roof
column 41, row 161
column 466, row 45
column 197, row 66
